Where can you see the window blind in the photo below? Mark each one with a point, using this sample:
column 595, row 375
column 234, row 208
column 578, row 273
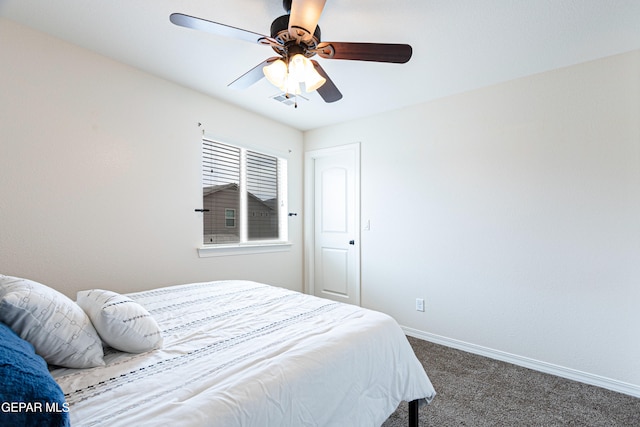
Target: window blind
column 220, row 192
column 262, row 196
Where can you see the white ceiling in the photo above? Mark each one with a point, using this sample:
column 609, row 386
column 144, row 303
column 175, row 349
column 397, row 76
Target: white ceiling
column 458, row 45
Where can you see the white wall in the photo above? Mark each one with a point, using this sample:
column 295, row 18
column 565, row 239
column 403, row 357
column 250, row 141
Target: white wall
column 100, row 173
column 515, row 212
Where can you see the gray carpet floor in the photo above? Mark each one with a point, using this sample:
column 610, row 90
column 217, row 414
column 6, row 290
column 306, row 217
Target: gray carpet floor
column 478, row 391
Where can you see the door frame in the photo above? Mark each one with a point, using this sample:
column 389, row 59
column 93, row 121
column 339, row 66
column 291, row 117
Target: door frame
column 309, row 217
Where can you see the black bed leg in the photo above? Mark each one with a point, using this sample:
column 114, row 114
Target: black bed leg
column 413, row 413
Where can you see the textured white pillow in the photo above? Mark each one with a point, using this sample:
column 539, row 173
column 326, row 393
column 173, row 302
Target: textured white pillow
column 57, row 328
column 121, row 322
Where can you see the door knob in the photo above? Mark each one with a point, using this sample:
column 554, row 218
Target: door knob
column 352, row 242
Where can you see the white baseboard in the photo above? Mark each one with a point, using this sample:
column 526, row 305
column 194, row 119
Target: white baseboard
column 548, row 368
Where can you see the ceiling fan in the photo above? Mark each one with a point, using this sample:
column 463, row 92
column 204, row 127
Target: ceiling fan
column 295, row 37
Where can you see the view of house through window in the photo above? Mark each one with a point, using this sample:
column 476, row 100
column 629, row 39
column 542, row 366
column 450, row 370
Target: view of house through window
column 243, row 194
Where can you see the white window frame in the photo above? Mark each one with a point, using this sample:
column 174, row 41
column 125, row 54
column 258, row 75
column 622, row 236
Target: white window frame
column 246, row 246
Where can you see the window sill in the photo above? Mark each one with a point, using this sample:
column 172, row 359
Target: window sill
column 244, row 249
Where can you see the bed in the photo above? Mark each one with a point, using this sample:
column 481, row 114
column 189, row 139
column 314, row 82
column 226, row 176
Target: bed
column 241, row 353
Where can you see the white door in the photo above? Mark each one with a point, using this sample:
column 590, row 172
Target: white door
column 334, row 261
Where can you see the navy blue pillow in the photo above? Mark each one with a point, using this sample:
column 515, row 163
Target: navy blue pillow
column 29, row 396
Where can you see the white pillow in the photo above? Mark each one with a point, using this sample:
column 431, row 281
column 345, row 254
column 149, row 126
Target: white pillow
column 121, row 322
column 57, row 328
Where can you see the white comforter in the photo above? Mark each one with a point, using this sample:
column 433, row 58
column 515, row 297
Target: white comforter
column 240, row 353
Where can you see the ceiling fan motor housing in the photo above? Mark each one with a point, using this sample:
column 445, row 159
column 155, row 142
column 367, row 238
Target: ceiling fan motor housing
column 280, row 32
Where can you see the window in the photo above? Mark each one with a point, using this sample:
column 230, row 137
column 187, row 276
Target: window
column 243, row 194
column 230, row 218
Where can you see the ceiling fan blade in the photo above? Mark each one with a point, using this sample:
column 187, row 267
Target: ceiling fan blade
column 377, row 52
column 216, row 28
column 304, row 18
column 328, row 91
column 252, row 76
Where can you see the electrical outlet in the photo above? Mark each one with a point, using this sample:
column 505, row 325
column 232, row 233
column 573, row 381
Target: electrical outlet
column 419, row 304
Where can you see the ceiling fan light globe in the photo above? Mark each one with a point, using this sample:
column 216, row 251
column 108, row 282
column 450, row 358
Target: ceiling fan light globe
column 291, row 87
column 276, row 73
column 314, row 81
column 298, row 67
